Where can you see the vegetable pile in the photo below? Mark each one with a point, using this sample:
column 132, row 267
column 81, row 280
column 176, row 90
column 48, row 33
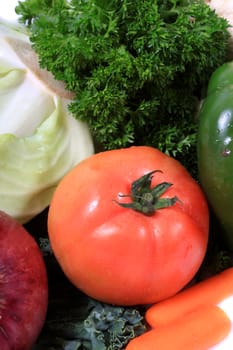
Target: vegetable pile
column 129, row 226
column 135, row 67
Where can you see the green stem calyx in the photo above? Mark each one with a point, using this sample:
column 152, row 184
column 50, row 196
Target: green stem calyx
column 147, row 199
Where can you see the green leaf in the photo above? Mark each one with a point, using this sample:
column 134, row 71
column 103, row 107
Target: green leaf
column 138, row 68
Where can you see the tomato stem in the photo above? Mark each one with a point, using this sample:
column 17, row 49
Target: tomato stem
column 146, row 199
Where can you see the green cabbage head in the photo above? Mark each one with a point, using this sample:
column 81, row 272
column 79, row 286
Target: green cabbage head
column 40, row 141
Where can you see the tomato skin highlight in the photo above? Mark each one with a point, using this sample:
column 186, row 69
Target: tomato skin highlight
column 118, row 255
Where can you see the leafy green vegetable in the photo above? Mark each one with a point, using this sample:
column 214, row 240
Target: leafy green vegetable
column 137, row 68
column 105, row 327
column 39, row 139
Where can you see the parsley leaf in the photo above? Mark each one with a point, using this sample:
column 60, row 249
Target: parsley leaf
column 138, row 69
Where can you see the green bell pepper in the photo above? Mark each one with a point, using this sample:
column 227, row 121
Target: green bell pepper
column 215, row 148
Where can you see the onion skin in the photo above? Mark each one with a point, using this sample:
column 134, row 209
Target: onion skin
column 23, row 286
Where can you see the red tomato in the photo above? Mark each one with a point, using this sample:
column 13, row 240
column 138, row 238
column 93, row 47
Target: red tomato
column 119, row 255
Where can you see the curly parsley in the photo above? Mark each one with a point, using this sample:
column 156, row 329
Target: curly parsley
column 137, row 68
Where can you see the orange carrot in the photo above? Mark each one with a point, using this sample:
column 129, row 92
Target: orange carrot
column 210, row 291
column 197, row 330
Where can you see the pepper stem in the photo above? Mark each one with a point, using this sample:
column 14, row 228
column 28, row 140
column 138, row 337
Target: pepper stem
column 145, row 199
